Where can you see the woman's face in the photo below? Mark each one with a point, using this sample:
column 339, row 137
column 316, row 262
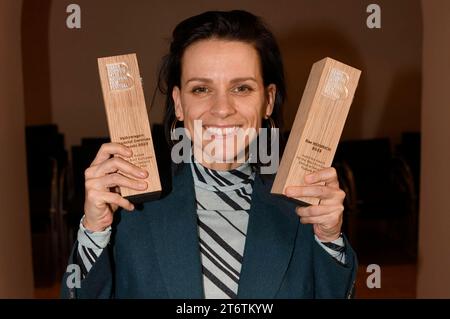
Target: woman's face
column 222, row 86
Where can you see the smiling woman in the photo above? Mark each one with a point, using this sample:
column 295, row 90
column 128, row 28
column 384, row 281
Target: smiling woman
column 219, row 233
column 222, row 86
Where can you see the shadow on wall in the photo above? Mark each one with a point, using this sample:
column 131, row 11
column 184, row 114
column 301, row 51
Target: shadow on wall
column 36, row 61
column 300, row 50
column 407, row 83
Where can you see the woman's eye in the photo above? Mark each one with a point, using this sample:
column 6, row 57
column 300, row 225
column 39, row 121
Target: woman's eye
column 200, row 90
column 242, row 89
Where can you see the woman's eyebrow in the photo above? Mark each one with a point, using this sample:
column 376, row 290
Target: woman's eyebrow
column 243, row 79
column 206, row 80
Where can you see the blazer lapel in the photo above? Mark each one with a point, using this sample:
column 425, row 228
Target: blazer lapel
column 271, row 234
column 174, row 228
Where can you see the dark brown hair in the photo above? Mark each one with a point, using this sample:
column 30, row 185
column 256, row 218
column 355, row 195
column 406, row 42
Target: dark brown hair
column 236, row 25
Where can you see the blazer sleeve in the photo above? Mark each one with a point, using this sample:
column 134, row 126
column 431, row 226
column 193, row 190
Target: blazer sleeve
column 98, row 284
column 331, row 278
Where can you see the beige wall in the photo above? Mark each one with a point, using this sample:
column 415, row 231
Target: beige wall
column 434, row 234
column 387, row 101
column 16, row 279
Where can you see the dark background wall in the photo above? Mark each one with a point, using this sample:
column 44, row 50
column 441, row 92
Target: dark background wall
column 16, row 276
column 387, row 101
column 35, row 19
column 434, row 258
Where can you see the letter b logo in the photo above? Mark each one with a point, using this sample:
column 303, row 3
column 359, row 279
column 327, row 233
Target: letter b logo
column 336, row 85
column 119, row 76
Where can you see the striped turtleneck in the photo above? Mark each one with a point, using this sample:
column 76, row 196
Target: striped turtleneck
column 223, row 203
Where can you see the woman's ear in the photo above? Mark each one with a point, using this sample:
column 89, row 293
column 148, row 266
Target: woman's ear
column 176, row 96
column 271, row 91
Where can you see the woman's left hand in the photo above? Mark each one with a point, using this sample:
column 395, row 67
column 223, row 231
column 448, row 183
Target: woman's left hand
column 327, row 216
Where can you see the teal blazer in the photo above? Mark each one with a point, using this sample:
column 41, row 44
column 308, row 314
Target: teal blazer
column 154, row 252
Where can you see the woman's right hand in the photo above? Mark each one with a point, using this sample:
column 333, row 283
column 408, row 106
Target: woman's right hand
column 101, row 178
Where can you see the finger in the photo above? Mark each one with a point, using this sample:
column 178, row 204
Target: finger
column 113, row 165
column 327, row 175
column 108, row 149
column 317, row 191
column 117, row 179
column 316, row 210
column 115, row 199
column 113, row 180
column 337, row 198
column 325, row 220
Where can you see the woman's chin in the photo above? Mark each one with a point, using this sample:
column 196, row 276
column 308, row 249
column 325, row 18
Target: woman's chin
column 225, row 156
column 219, row 158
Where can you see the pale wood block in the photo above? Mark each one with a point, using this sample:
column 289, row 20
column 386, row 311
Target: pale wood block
column 128, row 119
column 318, row 124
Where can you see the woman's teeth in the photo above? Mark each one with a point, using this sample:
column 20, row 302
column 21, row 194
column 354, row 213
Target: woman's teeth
column 221, row 131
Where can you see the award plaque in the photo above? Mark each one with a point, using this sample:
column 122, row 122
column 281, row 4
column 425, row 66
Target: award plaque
column 318, row 124
column 127, row 118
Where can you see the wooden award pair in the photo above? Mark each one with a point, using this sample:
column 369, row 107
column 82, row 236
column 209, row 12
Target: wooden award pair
column 318, row 124
column 311, row 145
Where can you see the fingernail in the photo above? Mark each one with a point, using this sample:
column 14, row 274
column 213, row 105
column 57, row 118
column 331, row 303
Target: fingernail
column 310, row 178
column 131, row 207
column 143, row 173
column 143, row 185
column 129, row 152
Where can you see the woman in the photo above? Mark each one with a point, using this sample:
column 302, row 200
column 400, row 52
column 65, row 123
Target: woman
column 219, row 233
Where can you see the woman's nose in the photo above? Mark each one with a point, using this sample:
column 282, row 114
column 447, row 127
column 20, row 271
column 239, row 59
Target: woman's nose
column 222, row 106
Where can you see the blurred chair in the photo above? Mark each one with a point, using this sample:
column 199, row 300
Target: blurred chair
column 409, row 150
column 348, row 185
column 46, row 169
column 382, row 204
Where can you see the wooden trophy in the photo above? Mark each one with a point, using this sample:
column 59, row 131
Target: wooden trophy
column 128, row 120
column 318, row 124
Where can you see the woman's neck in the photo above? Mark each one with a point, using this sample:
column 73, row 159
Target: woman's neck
column 221, row 166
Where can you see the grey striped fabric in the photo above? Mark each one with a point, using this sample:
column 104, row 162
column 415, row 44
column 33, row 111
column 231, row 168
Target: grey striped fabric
column 90, row 246
column 223, row 203
column 88, row 257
